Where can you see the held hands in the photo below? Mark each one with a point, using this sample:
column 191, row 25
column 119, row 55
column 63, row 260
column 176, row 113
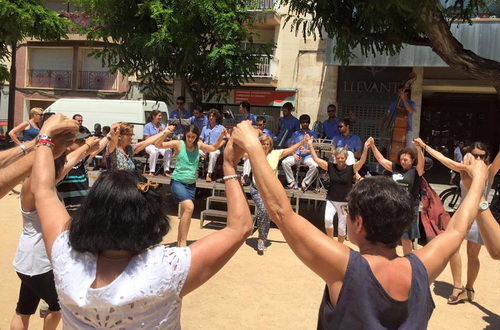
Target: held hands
column 59, row 124
column 418, row 143
column 114, row 132
column 93, row 143
column 472, row 169
column 232, row 154
column 245, row 135
column 369, row 142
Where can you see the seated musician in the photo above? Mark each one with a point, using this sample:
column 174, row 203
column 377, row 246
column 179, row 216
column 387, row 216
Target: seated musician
column 403, row 102
column 209, row 136
column 286, row 123
column 349, row 141
column 300, row 156
column 180, row 117
column 331, row 125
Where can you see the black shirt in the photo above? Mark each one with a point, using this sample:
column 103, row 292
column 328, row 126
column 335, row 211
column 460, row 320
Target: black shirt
column 340, row 182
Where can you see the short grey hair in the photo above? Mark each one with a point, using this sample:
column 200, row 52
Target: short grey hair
column 340, row 150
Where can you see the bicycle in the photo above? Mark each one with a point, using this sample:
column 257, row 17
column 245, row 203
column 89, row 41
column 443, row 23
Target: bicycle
column 451, row 199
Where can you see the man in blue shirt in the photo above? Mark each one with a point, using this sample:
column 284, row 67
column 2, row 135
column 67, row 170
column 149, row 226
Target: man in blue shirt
column 245, row 111
column 405, row 103
column 346, row 140
column 199, row 119
column 330, row 126
column 179, row 113
column 209, row 135
column 286, row 123
column 300, row 156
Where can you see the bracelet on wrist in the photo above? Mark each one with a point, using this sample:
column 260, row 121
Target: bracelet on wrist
column 24, row 148
column 88, row 145
column 232, row 176
column 45, row 144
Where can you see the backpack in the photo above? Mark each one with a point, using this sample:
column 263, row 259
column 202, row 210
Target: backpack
column 434, row 217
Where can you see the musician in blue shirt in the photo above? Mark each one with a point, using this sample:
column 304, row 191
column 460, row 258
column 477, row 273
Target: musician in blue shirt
column 300, row 156
column 245, row 111
column 287, row 122
column 199, row 119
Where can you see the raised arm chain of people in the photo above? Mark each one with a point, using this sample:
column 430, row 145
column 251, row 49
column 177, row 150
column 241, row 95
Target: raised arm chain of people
column 379, row 210
column 116, row 231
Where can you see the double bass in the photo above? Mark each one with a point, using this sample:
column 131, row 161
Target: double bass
column 398, row 122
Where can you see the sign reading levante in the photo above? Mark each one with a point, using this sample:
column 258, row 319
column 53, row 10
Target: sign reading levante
column 264, row 97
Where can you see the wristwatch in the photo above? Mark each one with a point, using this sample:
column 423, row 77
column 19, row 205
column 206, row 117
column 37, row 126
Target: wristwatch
column 484, row 205
column 43, row 137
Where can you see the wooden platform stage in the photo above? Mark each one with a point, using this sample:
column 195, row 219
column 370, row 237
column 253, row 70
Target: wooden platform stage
column 293, row 194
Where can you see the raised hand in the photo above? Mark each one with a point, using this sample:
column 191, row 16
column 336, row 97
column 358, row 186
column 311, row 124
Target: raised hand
column 57, row 124
column 245, row 135
column 470, row 168
column 419, row 142
column 232, row 154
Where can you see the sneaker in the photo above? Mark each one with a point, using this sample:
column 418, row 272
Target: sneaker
column 208, row 178
column 261, row 245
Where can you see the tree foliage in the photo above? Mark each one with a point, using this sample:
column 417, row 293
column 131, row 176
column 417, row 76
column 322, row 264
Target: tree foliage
column 384, row 26
column 21, row 19
column 199, row 41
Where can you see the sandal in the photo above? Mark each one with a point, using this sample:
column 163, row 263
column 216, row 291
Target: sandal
column 470, row 294
column 461, row 296
column 291, row 185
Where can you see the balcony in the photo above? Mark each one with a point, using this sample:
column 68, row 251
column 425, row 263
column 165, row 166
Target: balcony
column 98, row 80
column 49, row 78
column 267, row 68
column 267, row 11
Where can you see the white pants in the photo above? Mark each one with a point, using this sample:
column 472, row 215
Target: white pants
column 247, row 168
column 336, row 207
column 154, row 152
column 212, row 159
column 290, row 161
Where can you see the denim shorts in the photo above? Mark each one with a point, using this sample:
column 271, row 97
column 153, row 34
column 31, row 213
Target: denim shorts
column 182, row 191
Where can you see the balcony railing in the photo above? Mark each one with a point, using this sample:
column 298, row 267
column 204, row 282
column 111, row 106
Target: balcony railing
column 50, row 78
column 262, row 5
column 98, row 80
column 267, row 68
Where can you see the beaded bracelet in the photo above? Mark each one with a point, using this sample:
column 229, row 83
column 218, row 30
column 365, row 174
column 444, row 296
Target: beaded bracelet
column 232, row 176
column 45, row 142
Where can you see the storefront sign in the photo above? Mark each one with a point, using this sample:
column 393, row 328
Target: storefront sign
column 264, row 97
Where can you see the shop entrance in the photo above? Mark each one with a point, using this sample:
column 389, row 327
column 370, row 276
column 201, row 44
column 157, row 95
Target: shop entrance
column 450, row 118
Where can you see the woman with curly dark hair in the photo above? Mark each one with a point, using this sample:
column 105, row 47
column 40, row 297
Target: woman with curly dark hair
column 406, row 173
column 109, row 268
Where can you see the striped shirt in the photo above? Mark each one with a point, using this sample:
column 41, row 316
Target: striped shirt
column 74, row 187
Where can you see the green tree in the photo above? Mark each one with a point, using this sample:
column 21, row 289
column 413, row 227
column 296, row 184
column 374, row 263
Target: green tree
column 198, row 41
column 384, row 26
column 19, row 20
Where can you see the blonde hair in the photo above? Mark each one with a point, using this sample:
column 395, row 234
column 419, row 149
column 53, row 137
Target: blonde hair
column 266, row 137
column 35, row 111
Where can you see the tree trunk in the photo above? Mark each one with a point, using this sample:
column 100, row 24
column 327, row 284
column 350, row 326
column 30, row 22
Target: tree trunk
column 190, row 90
column 12, row 94
column 447, row 47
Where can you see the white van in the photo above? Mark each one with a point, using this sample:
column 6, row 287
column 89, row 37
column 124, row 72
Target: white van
column 108, row 112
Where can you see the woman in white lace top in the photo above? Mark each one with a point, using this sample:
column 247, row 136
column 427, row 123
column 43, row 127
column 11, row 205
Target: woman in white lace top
column 108, row 269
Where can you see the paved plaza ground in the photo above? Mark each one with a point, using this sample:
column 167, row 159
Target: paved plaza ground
column 273, row 291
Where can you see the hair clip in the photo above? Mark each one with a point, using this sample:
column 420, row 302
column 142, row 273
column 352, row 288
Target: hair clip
column 144, row 186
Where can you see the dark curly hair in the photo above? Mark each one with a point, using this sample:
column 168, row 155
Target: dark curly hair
column 386, row 209
column 410, row 152
column 115, row 215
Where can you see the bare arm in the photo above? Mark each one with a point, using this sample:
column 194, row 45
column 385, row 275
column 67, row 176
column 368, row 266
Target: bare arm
column 291, row 149
column 219, row 143
column 211, row 253
column 436, row 254
column 74, row 157
column 387, row 164
column 14, row 154
column 52, row 213
column 406, row 103
column 16, row 130
column 362, row 160
column 493, row 168
column 151, row 140
column 490, row 232
column 11, row 175
column 451, row 164
column 322, row 255
column 420, row 159
column 321, row 162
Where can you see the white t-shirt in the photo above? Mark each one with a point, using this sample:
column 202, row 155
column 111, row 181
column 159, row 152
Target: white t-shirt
column 145, row 295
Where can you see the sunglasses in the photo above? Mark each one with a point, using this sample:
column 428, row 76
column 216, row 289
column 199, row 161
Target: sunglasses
column 341, row 126
column 476, row 156
column 331, row 111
